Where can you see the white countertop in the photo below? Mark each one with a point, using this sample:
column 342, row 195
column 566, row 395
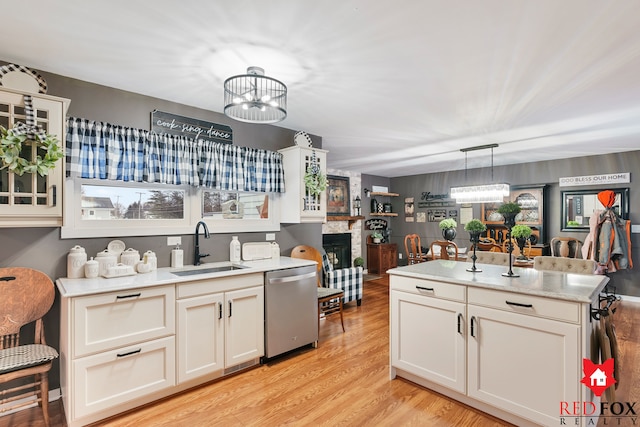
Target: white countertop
column 552, row 284
column 162, row 276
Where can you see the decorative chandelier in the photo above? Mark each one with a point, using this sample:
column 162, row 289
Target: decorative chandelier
column 255, row 98
column 482, row 193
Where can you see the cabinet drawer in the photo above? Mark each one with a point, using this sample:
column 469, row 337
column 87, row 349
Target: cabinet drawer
column 107, row 321
column 112, row 378
column 222, row 284
column 428, row 288
column 549, row 308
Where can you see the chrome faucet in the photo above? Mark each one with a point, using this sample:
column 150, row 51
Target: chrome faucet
column 198, row 255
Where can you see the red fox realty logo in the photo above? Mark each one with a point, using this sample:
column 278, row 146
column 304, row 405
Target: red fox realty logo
column 598, row 378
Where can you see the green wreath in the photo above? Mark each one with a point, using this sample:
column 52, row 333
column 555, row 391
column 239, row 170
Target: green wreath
column 11, row 148
column 315, row 183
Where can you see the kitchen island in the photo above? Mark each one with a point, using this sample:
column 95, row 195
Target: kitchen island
column 509, row 346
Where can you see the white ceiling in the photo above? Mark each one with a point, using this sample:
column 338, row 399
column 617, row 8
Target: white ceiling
column 395, row 87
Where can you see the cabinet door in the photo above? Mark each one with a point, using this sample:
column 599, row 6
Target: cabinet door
column 32, row 199
column 523, row 364
column 244, row 334
column 200, row 336
column 428, row 338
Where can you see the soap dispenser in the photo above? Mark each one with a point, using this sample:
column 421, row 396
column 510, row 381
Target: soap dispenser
column 177, row 257
column 234, row 249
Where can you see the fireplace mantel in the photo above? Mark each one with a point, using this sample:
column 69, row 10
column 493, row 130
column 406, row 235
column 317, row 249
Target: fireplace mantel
column 351, row 219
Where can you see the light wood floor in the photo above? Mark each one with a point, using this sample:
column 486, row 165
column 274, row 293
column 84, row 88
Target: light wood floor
column 343, row 382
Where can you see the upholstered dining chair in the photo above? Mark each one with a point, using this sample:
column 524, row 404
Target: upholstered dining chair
column 497, row 258
column 567, row 247
column 567, row 265
column 26, row 295
column 413, row 249
column 443, row 244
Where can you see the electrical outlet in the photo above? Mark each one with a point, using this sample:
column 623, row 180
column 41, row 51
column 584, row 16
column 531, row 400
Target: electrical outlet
column 271, row 236
column 174, row 240
column 635, row 228
column 400, row 255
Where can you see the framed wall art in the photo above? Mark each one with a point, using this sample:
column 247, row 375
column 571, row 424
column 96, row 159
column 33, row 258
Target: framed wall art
column 338, row 199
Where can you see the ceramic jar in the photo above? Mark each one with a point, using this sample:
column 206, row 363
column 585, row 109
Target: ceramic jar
column 91, row 269
column 130, row 257
column 105, row 260
column 149, row 257
column 75, row 262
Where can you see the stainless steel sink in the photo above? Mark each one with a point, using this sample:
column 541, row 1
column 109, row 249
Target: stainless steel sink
column 207, row 270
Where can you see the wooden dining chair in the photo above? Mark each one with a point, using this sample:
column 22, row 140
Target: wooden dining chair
column 329, row 299
column 488, row 244
column 413, row 249
column 443, row 244
column 26, row 295
column 567, row 247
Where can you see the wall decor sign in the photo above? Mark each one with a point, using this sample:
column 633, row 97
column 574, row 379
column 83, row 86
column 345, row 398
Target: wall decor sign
column 428, row 195
column 436, row 204
column 338, row 199
column 162, row 122
column 375, row 224
column 605, row 178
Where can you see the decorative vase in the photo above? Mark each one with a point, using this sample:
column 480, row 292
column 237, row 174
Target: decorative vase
column 509, row 220
column 449, row 233
column 521, row 242
column 475, row 239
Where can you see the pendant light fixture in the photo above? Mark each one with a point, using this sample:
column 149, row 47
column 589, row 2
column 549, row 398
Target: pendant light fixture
column 255, row 98
column 483, row 193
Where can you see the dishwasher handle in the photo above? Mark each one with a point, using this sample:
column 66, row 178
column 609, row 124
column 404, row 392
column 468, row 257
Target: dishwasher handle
column 285, row 279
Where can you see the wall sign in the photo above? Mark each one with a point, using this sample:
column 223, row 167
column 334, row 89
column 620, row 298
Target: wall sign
column 375, row 224
column 173, row 124
column 605, row 178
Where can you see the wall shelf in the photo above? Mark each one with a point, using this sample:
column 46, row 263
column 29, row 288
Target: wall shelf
column 377, row 193
column 384, row 214
column 351, row 219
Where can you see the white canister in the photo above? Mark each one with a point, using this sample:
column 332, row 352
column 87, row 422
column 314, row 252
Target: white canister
column 143, row 267
column 91, row 269
column 150, row 258
column 75, row 262
column 105, row 260
column 130, row 257
column 275, row 250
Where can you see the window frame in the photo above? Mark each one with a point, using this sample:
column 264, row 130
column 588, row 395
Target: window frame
column 73, row 226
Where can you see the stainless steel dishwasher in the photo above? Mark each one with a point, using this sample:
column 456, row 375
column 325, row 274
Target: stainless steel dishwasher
column 291, row 309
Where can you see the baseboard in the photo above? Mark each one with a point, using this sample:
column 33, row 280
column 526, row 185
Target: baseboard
column 53, row 396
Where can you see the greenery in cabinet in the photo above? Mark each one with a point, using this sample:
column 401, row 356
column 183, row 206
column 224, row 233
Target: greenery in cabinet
column 11, row 150
column 314, row 180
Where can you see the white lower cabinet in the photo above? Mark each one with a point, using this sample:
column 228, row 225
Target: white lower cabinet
column 517, row 353
column 220, row 325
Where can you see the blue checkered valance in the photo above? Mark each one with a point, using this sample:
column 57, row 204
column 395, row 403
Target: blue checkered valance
column 105, row 151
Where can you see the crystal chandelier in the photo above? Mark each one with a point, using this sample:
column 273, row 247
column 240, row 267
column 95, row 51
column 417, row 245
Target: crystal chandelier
column 481, row 193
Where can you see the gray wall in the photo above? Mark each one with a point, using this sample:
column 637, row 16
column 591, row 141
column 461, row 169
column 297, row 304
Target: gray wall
column 42, row 248
column 626, row 282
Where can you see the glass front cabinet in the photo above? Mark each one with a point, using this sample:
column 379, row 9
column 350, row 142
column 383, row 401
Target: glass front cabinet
column 31, row 200
column 532, row 202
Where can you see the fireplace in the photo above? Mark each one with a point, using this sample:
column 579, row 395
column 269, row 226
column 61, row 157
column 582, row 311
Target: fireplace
column 338, row 249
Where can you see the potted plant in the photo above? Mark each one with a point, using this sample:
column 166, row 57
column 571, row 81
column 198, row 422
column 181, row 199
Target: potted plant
column 475, row 227
column 448, row 227
column 11, row 150
column 521, row 233
column 358, row 262
column 376, row 236
column 509, row 211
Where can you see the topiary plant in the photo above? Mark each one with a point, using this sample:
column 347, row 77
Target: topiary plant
column 475, row 226
column 521, row 231
column 445, row 224
column 509, row 208
column 358, row 262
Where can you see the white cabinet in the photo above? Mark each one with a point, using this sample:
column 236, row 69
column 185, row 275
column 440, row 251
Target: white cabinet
column 32, row 200
column 220, row 325
column 428, row 338
column 297, row 205
column 519, row 354
column 116, row 348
